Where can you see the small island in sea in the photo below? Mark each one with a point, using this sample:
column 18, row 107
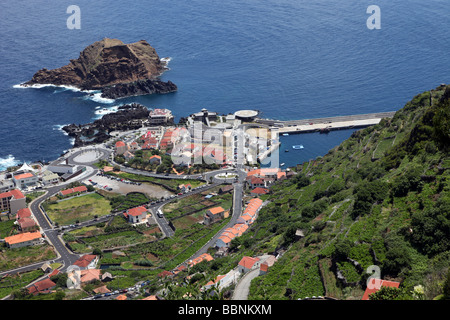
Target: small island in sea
column 118, row 70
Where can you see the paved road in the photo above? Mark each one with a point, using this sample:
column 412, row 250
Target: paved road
column 243, row 286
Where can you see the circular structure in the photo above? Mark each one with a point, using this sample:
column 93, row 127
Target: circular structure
column 246, row 115
column 87, row 156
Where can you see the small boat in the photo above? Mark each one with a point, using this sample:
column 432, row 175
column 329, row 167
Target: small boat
column 285, row 134
column 282, row 164
column 298, row 147
column 286, row 150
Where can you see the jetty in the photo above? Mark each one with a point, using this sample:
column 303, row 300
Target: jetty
column 326, row 124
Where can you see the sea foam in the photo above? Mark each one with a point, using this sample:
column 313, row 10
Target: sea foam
column 93, row 95
column 9, row 161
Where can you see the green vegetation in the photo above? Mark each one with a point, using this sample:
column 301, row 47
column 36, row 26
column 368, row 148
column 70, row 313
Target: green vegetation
column 34, row 195
column 19, row 257
column 13, row 284
column 75, row 209
column 171, row 184
column 380, row 198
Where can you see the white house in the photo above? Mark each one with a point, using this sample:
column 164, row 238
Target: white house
column 136, row 215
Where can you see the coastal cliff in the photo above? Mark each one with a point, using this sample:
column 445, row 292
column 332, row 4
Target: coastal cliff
column 117, row 69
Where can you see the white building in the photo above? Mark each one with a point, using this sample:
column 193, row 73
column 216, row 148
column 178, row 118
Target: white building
column 160, row 117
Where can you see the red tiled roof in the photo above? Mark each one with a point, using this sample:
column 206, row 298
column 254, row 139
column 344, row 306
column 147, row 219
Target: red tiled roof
column 260, row 190
column 23, row 176
column 384, row 283
column 216, row 210
column 26, row 223
column 85, row 260
column 23, row 237
column 264, row 267
column 200, row 258
column 120, row 144
column 16, row 194
column 41, row 286
column 165, row 273
column 73, row 190
column 136, row 211
column 23, row 213
column 248, row 262
column 53, row 273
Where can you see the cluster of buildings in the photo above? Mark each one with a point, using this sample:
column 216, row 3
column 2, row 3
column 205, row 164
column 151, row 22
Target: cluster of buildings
column 242, row 224
column 264, row 177
column 87, row 274
column 14, row 203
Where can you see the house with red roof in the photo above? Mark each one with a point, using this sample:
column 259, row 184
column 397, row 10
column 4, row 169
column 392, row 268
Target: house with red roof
column 155, row 159
column 89, row 275
column 247, row 263
column 43, row 286
column 214, row 214
column 120, row 147
column 88, row 261
column 200, row 258
column 165, row 273
column 26, row 224
column 23, row 213
column 73, row 191
column 136, row 215
column 376, row 284
column 23, row 239
column 259, row 191
column 229, row 234
column 24, row 180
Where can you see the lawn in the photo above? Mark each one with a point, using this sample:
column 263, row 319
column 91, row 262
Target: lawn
column 18, row 257
column 80, row 209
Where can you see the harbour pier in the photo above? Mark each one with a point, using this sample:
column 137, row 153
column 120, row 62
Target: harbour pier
column 326, row 124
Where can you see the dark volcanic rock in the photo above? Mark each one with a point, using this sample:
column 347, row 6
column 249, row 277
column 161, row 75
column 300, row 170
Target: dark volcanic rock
column 137, row 88
column 128, row 117
column 108, row 63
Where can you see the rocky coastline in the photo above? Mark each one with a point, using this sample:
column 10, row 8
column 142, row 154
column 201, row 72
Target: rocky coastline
column 128, row 117
column 118, row 70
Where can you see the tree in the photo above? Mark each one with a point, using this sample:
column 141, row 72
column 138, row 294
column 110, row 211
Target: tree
column 342, row 249
column 398, row 255
column 289, row 235
column 301, row 180
column 431, row 228
column 390, row 293
column 446, row 288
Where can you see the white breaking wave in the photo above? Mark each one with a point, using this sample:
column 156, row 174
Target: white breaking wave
column 97, row 97
column 9, row 161
column 91, row 94
column 166, row 62
column 59, row 127
column 100, row 112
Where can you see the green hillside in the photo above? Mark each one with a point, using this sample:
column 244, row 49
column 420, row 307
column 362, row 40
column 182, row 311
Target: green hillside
column 381, row 198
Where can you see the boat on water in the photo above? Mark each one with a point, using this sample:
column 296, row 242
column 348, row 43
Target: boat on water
column 286, row 150
column 298, row 147
column 282, row 164
column 285, row 134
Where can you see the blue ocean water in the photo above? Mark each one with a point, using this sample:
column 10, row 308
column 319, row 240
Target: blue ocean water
column 290, row 59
